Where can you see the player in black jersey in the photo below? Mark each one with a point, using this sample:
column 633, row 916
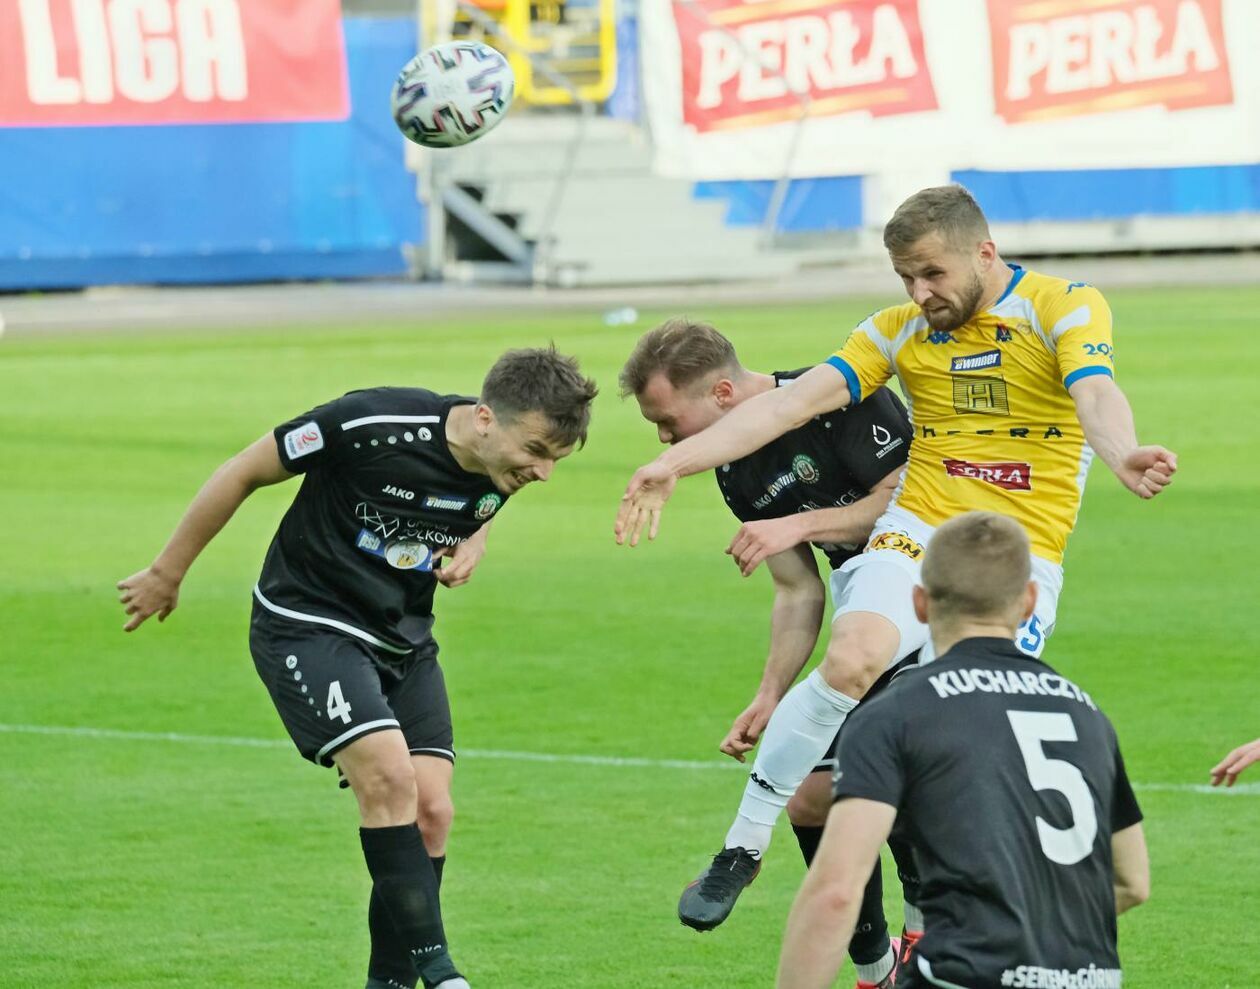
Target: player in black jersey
column 825, row 483
column 1010, row 782
column 398, row 487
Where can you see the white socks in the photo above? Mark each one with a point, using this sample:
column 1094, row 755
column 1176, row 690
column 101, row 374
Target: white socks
column 876, row 972
column 799, row 732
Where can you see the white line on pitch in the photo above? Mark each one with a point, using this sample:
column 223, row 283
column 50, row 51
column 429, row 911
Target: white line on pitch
column 1239, row 789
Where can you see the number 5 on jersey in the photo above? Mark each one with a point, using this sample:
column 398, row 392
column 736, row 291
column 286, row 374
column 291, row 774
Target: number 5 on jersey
column 1067, row 846
column 338, row 708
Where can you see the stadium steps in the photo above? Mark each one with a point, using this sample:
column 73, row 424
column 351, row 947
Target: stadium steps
column 614, row 221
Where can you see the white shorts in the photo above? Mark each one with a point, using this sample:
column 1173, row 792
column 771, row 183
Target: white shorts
column 881, row 577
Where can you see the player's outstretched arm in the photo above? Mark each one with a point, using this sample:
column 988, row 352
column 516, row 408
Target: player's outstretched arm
column 747, row 427
column 759, row 540
column 1108, row 424
column 1132, row 868
column 826, row 908
column 800, row 601
column 1226, row 771
column 155, row 589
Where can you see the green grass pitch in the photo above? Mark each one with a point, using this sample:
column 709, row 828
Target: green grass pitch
column 144, row 863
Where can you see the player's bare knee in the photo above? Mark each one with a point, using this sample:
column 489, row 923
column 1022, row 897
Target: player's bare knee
column 853, row 668
column 809, row 805
column 435, row 814
column 386, row 793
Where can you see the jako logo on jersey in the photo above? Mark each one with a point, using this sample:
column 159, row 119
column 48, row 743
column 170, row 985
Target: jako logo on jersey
column 977, row 362
column 806, row 469
column 1009, row 476
column 445, row 503
column 941, row 336
column 898, row 542
column 305, row 439
column 394, row 492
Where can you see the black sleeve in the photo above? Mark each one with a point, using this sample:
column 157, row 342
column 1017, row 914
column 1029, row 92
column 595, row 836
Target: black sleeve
column 312, row 440
column 874, row 437
column 1125, row 811
column 869, row 761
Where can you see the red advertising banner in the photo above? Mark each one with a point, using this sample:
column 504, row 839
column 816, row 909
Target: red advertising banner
column 1067, row 58
column 93, row 62
column 748, row 63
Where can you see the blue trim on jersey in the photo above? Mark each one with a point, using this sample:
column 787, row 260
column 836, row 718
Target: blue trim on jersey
column 1085, row 372
column 1010, row 286
column 850, row 377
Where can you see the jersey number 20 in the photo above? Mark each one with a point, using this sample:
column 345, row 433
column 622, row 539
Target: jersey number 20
column 1067, row 846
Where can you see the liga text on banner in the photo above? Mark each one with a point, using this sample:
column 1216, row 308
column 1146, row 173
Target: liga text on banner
column 110, row 62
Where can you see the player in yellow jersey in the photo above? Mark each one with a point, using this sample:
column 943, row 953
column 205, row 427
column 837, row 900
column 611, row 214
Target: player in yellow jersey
column 1009, row 376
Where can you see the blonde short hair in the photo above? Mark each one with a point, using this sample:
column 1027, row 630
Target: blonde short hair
column 977, row 566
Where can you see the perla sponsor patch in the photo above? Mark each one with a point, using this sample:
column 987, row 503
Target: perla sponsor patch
column 303, row 440
column 977, row 362
column 1011, row 476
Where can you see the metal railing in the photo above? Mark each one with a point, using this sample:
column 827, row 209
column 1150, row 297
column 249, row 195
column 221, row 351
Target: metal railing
column 443, row 194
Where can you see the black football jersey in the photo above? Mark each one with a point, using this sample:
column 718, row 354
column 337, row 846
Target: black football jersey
column 380, row 494
column 833, row 460
column 1009, row 782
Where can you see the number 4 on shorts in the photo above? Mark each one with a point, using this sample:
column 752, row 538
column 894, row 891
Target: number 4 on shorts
column 337, row 706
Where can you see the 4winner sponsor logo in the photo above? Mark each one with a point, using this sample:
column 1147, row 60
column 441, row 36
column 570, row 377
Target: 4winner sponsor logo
column 445, row 503
column 1009, row 476
column 977, row 362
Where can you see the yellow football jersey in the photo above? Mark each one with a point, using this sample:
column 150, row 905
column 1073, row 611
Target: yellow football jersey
column 994, row 426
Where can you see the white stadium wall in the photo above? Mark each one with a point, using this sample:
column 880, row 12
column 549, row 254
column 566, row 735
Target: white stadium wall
column 1081, row 125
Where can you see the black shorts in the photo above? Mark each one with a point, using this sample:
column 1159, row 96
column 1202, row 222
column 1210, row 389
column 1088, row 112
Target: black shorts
column 828, row 762
column 331, row 689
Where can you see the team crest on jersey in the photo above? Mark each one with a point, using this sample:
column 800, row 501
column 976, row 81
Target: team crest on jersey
column 303, row 440
column 806, row 468
column 487, row 506
column 1003, row 334
column 898, row 542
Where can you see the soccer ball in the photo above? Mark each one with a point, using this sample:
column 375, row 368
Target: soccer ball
column 452, row 93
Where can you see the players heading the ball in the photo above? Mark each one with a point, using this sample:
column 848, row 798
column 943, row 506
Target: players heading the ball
column 1009, row 377
column 1010, row 779
column 825, row 483
column 395, row 480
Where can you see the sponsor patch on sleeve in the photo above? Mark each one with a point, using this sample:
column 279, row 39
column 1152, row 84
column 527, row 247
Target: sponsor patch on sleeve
column 303, row 440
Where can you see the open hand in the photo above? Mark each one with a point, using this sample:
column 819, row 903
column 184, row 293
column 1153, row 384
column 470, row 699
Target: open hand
column 146, row 594
column 641, row 505
column 1227, row 770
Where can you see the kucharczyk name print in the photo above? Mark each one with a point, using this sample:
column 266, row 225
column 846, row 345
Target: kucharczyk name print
column 952, row 683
